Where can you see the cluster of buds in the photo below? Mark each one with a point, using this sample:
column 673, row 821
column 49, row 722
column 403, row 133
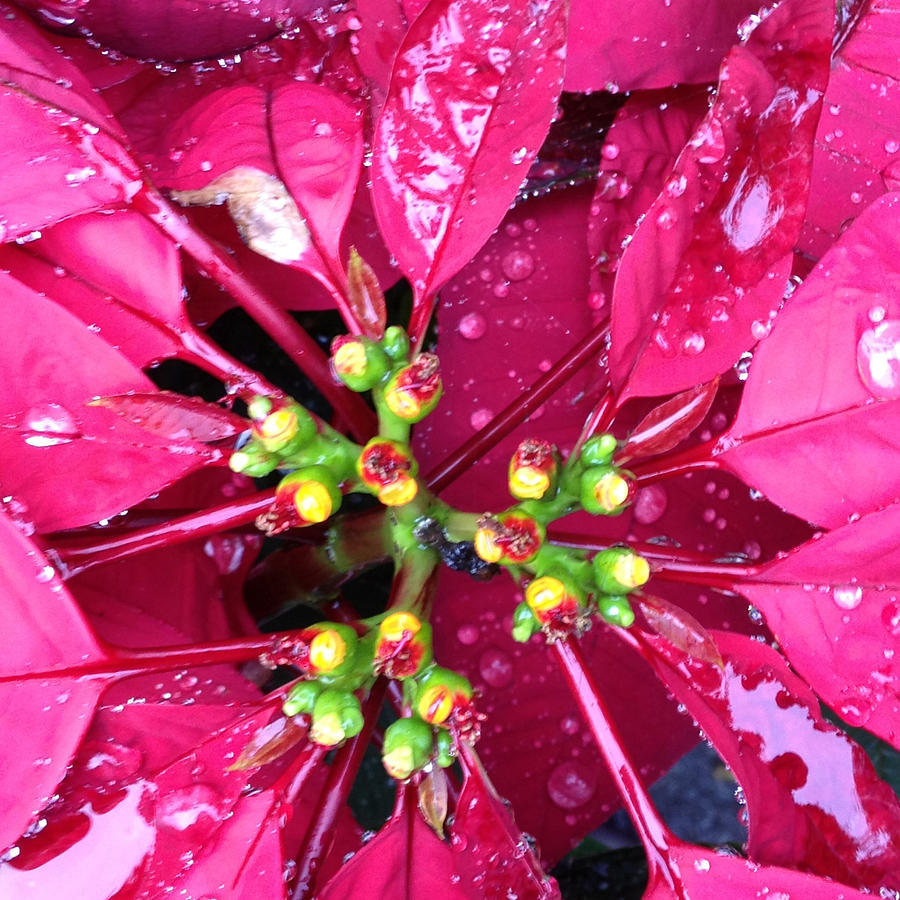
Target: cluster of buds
column 511, row 538
column 402, row 646
column 442, row 711
column 534, row 470
column 388, row 469
column 335, row 714
column 410, row 389
column 278, row 431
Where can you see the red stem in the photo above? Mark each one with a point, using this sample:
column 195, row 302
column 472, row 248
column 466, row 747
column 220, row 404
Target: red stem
column 703, row 456
column 517, row 411
column 721, row 576
column 292, row 338
column 653, row 832
column 419, row 319
column 341, row 774
column 600, row 419
column 207, row 355
column 121, row 662
column 77, row 556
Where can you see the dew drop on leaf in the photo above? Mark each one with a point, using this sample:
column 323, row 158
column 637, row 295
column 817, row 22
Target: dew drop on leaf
column 467, row 634
column 49, row 424
column 472, row 326
column 571, row 784
column 650, row 503
column 496, row 667
column 878, row 359
column 195, row 810
column 847, row 596
column 517, row 265
column 480, row 418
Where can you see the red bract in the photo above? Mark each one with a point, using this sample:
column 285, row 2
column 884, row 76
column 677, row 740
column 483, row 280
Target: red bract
column 600, row 292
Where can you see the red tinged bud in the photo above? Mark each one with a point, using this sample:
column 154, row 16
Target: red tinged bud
column 533, row 470
column 388, row 470
column 413, row 391
column 511, row 538
column 402, row 646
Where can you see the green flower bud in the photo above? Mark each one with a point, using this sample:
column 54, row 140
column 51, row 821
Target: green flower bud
column 253, row 460
column 599, row 450
column 407, row 747
column 336, row 716
column 359, row 362
column 605, row 490
column 396, row 343
column 616, row 611
column 525, row 623
column 283, row 430
column 440, row 694
column 446, row 752
column 301, row 698
column 312, row 493
column 619, row 570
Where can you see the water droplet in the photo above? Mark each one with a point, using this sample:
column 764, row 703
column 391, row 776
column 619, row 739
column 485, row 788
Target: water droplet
column 876, row 314
column 709, row 514
column 666, row 218
column 194, row 811
column 49, row 424
column 517, row 265
column 571, row 784
column 701, row 865
column 45, row 574
column 692, row 344
column 890, row 616
column 545, row 365
column 759, row 329
column 752, row 550
column 650, row 503
column 472, row 326
column 480, row 418
column 107, row 762
column 709, row 141
column 878, row 359
column 847, row 596
column 500, row 290
column 518, row 155
column 676, row 186
column 206, row 166
column 596, row 300
column 891, row 145
column 467, row 634
column 610, row 150
column 496, row 667
column 569, row 725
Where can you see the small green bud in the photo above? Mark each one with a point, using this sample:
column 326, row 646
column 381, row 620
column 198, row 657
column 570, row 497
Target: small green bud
column 616, row 611
column 407, row 747
column 525, row 623
column 599, row 450
column 396, row 343
column 336, row 716
column 301, row 698
column 253, row 461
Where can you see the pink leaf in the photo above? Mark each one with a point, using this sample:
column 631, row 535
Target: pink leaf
column 43, row 720
column 857, row 150
column 641, row 147
column 709, row 262
column 175, row 416
column 833, row 605
column 48, row 433
column 51, row 115
column 474, row 87
column 818, row 427
column 766, row 725
column 705, row 875
column 197, row 30
column 626, row 47
column 288, row 170
column 406, row 860
column 490, row 850
column 670, row 423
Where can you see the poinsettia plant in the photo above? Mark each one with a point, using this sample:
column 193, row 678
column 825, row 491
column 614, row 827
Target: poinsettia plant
column 619, row 355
